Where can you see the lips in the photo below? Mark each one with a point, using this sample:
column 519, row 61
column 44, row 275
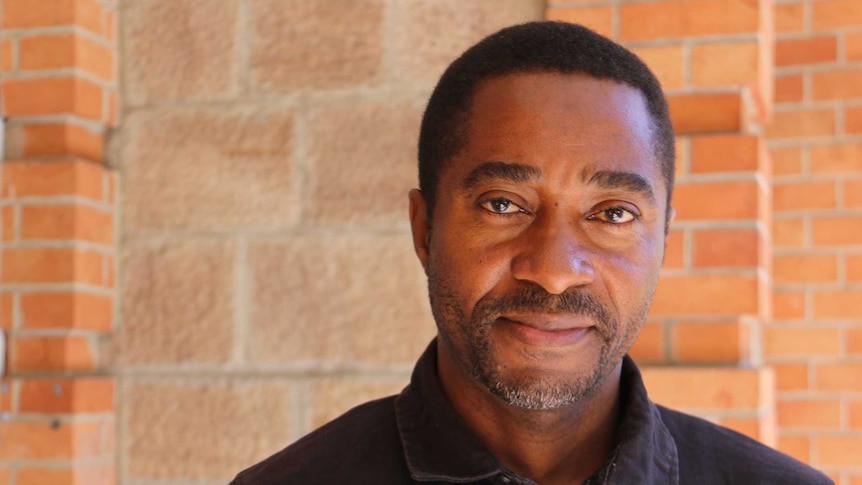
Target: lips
column 547, row 331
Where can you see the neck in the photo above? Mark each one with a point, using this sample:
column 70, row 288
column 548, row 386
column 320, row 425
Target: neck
column 557, row 446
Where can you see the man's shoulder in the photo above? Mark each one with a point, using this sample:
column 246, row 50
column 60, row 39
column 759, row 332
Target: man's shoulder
column 709, row 453
column 364, row 438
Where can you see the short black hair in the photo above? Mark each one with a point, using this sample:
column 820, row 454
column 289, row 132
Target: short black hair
column 557, row 47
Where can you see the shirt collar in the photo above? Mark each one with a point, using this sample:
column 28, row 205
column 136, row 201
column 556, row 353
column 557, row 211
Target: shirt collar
column 439, row 447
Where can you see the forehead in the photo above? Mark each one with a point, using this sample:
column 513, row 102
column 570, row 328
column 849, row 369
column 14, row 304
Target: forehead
column 553, row 120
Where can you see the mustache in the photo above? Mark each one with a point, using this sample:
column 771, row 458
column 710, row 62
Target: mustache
column 534, row 299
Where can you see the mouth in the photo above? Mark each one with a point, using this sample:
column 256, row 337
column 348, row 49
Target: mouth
column 546, row 331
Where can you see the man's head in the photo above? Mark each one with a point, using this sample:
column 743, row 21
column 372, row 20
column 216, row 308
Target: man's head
column 548, row 179
column 532, row 47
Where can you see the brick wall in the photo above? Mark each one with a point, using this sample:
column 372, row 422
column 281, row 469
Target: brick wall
column 57, row 244
column 815, row 341
column 266, row 280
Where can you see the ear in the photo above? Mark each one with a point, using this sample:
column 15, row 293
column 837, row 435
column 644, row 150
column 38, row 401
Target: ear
column 419, row 225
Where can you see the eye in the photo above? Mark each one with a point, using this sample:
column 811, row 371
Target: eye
column 614, row 215
column 500, row 205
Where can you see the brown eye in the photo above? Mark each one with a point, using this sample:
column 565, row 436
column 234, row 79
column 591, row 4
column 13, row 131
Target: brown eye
column 501, row 206
column 614, row 215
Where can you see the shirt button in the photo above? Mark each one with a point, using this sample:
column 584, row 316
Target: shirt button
column 506, row 479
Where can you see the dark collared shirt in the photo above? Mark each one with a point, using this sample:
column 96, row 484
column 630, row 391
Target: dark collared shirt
column 416, row 437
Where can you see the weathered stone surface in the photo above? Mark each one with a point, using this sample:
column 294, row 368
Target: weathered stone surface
column 363, row 162
column 204, row 429
column 207, row 168
column 332, row 397
column 319, row 44
column 430, row 35
column 178, row 50
column 344, row 299
column 177, row 303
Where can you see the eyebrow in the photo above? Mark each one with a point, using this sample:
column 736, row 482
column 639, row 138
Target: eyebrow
column 512, row 172
column 629, row 181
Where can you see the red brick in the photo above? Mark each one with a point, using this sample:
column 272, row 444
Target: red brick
column 667, row 62
column 597, row 18
column 839, row 377
column 51, row 354
column 803, row 195
column 704, row 113
column 674, row 253
column 855, row 414
column 718, row 387
column 853, row 46
column 853, row 119
column 837, row 84
column 829, row 14
column 805, row 268
column 714, row 343
column 706, row 295
column 800, row 341
column 7, row 52
column 6, row 308
column 838, row 451
column 726, row 248
column 842, row 157
column 853, row 338
column 52, row 96
column 650, row 345
column 724, row 153
column 789, row 17
column 801, row 123
column 79, row 474
column 809, row 414
column 838, row 304
column 791, row 377
column 66, row 310
column 798, row 447
column 66, row 222
column 788, row 304
column 51, row 265
column 9, row 223
column 853, row 267
column 788, row 232
column 48, row 441
column 65, row 51
column 837, row 231
column 786, row 160
column 65, row 396
column 788, row 88
column 32, row 179
column 716, row 201
column 678, row 19
column 723, row 64
column 853, row 193
column 59, row 140
column 810, row 50
column 24, row 14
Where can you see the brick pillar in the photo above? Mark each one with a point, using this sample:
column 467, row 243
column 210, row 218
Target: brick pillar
column 57, row 243
column 700, row 346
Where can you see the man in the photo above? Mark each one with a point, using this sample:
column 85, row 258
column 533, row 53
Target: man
column 546, row 162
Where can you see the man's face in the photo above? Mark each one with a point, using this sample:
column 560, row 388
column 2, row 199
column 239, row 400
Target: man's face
column 547, row 236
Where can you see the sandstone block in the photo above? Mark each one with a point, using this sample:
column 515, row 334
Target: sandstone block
column 362, row 163
column 332, row 397
column 179, row 49
column 318, row 44
column 430, row 35
column 203, row 429
column 177, row 303
column 211, row 168
column 344, row 299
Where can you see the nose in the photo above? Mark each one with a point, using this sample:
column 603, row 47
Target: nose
column 553, row 256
